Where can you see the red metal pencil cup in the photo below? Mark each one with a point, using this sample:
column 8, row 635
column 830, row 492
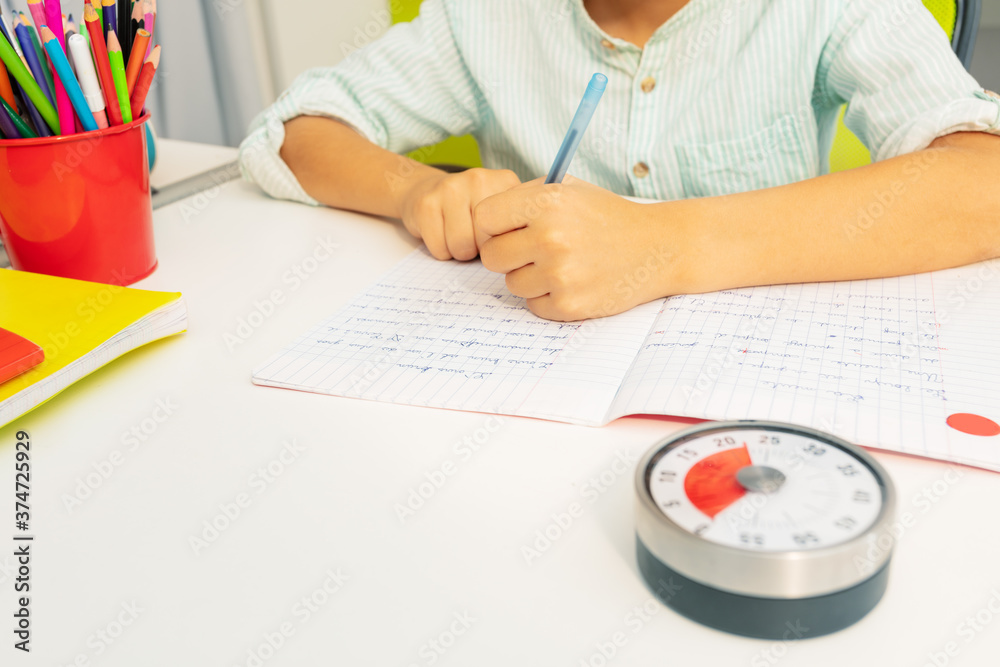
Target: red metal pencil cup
column 79, row 205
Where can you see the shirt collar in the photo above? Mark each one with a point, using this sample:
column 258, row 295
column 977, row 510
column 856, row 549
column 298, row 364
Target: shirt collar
column 689, row 12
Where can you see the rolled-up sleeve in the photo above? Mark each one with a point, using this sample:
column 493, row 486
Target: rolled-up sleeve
column 410, row 88
column 891, row 63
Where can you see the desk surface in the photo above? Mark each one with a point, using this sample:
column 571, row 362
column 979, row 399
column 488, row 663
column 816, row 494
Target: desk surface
column 133, row 465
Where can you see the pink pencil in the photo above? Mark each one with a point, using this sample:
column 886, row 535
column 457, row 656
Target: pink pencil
column 67, row 124
column 37, row 13
column 149, row 20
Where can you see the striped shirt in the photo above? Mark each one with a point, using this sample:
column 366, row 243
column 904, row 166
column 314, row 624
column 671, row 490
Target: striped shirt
column 727, row 96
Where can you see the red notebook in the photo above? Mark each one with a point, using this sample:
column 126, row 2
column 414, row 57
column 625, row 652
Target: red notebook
column 17, row 355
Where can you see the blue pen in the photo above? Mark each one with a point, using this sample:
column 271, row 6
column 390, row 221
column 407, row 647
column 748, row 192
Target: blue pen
column 595, row 89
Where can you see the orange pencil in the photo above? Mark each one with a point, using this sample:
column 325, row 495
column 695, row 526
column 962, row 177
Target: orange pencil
column 103, row 64
column 139, row 43
column 6, row 91
column 144, row 81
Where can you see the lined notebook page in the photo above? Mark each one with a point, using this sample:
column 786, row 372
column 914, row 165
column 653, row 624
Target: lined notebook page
column 450, row 335
column 884, row 363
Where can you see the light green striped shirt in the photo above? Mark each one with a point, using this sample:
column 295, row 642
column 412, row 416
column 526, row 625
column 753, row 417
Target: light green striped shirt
column 727, row 96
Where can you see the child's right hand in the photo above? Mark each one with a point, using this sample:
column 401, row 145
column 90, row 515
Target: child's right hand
column 437, row 208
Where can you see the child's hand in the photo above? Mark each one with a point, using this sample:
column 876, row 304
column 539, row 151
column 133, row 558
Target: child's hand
column 438, row 208
column 576, row 251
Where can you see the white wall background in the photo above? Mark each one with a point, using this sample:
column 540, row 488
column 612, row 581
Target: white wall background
column 309, row 33
column 986, row 56
column 991, row 14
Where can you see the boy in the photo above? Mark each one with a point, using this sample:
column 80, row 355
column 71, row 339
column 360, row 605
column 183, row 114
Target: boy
column 724, row 109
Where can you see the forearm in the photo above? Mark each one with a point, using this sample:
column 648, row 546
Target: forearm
column 340, row 168
column 925, row 211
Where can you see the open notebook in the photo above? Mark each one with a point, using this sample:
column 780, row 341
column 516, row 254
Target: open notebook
column 908, row 364
column 80, row 325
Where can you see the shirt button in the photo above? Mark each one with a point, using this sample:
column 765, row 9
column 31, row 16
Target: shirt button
column 641, row 170
column 648, row 84
column 608, row 44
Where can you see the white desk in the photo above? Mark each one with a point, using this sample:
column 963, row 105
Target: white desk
column 330, row 508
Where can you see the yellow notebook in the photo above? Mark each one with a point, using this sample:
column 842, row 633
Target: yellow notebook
column 81, row 326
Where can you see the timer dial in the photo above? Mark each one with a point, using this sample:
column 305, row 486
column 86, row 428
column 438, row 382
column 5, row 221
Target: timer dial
column 761, row 524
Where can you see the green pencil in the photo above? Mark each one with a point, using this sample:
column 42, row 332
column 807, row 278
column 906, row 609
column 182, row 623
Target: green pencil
column 118, row 74
column 15, row 66
column 23, row 128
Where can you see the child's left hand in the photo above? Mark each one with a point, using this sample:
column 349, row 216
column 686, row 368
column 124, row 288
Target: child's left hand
column 577, row 251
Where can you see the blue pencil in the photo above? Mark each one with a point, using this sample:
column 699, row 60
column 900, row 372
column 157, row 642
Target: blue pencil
column 31, row 57
column 65, row 73
column 33, row 113
column 110, row 16
column 595, row 89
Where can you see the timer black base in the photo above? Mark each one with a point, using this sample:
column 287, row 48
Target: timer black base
column 762, row 618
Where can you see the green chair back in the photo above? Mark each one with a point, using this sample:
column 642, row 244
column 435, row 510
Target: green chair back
column 958, row 18
column 457, row 151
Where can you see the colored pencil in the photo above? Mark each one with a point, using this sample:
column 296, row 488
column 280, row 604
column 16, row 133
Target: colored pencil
column 137, row 23
column 144, row 81
column 118, row 73
column 37, row 10
column 70, row 26
column 65, row 74
column 8, row 31
column 124, row 31
column 135, row 60
column 103, row 65
column 36, row 67
column 53, row 12
column 31, row 89
column 6, row 91
column 37, row 122
column 23, row 129
column 34, row 119
column 42, row 56
column 110, row 17
column 149, row 21
column 98, row 7
column 125, row 26
column 87, row 76
column 21, row 101
column 7, row 125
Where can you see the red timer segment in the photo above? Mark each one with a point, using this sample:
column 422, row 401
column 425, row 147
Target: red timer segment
column 711, row 484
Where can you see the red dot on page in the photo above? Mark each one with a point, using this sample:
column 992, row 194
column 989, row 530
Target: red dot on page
column 973, row 424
